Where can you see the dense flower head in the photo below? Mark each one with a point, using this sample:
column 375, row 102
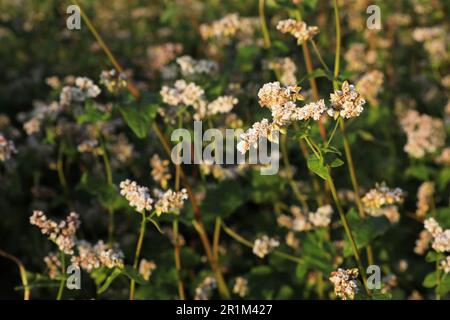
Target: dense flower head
column 298, row 29
column 137, row 196
column 61, row 233
column 170, row 201
column 160, row 170
column 425, row 134
column 345, row 283
column 225, row 27
column 346, row 102
column 190, row 66
column 222, row 104
column 182, row 93
column 160, row 55
column 441, row 238
column 369, row 85
column 264, row 245
column 444, row 157
column 146, row 267
column 273, row 95
column 445, row 264
column 382, row 200
column 423, row 242
column 84, row 88
column 286, row 69
column 300, row 221
column 90, row 257
column 7, row 148
column 240, row 286
column 113, row 80
column 53, row 264
column 259, row 130
column 425, row 195
column 205, row 289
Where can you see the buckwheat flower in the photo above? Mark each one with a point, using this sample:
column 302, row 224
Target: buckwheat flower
column 286, row 69
column 347, row 102
column 370, row 85
column 264, row 245
column 292, row 241
column 32, row 126
column 137, row 196
column 444, row 157
column 425, row 195
column 88, row 87
column 425, row 134
column 161, row 54
column 441, row 238
column 113, row 81
column 160, row 170
column 91, row 257
column 445, row 264
column 357, row 58
column 423, row 243
column 222, row 104
column 170, row 201
column 273, row 95
column 285, row 221
column 250, row 138
column 240, row 286
column 146, row 268
column 298, row 29
column 205, row 289
column 7, row 148
column 61, row 233
column 53, row 264
column 90, row 146
column 121, row 149
column 225, row 27
column 383, row 201
column 345, row 283
column 182, row 93
column 432, row 226
column 190, row 66
column 322, row 217
column 313, row 110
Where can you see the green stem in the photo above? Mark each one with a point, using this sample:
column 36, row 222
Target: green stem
column 337, row 57
column 110, row 182
column 348, row 231
column 319, row 56
column 63, row 277
column 262, row 19
column 332, row 133
column 138, row 252
column 438, row 281
column 22, row 271
column 177, row 257
column 60, row 166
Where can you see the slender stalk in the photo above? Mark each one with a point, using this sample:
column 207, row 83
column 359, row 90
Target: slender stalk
column 109, row 178
column 348, row 232
column 63, row 277
column 177, row 257
column 348, row 153
column 262, row 20
column 22, row 271
column 319, row 56
column 138, row 252
column 216, row 238
column 332, row 133
column 60, row 166
column 438, row 281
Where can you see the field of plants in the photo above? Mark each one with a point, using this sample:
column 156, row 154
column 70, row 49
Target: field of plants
column 109, row 191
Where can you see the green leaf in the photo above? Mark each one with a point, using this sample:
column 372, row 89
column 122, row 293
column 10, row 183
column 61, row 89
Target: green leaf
column 316, row 166
column 443, row 178
column 133, row 275
column 430, row 280
column 364, row 230
column 156, row 224
column 92, row 114
column 285, row 293
column 444, row 286
column 433, row 256
column 420, row 172
column 443, row 217
column 140, row 115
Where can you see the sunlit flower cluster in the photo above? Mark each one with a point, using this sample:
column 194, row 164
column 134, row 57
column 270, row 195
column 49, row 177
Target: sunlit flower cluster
column 160, row 170
column 369, row 86
column 182, row 93
column 205, row 290
column 345, row 283
column 225, row 27
column 423, row 242
column 53, row 264
column 264, row 245
column 240, row 286
column 90, row 257
column 444, row 157
column 425, row 134
column 137, row 196
column 346, row 102
column 161, row 54
column 7, row 148
column 113, row 80
column 441, row 238
column 61, row 233
column 383, row 201
column 306, row 222
column 146, row 268
column 445, row 264
column 425, row 195
column 84, row 88
column 286, row 69
column 190, row 66
column 170, row 201
column 298, row 29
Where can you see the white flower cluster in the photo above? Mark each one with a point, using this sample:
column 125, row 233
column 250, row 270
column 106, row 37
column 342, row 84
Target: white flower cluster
column 345, row 283
column 445, row 264
column 189, row 94
column 441, row 238
column 61, row 233
column 84, row 88
column 264, row 245
column 305, row 222
column 346, row 102
column 444, row 157
column 146, row 268
column 53, row 264
column 226, row 27
column 190, row 66
column 170, row 201
column 38, row 114
column 100, row 255
column 298, row 29
column 90, row 146
column 137, row 196
column 425, row 134
column 425, row 195
column 240, row 286
column 113, row 80
column 369, row 85
column 286, row 69
column 382, row 200
column 205, row 289
column 160, row 170
column 7, row 148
